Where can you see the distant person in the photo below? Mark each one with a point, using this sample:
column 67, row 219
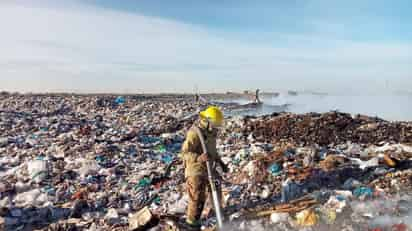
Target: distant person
column 197, row 98
column 195, row 162
column 257, row 100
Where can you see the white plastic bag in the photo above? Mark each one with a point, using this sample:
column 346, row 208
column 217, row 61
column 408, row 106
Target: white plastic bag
column 31, row 198
column 37, row 170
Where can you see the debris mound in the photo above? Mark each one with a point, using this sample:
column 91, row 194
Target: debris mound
column 328, row 128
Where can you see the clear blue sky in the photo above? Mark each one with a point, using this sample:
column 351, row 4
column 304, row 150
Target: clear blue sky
column 367, row 20
column 152, row 46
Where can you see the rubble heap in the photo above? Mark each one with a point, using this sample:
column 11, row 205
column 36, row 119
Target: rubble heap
column 328, row 128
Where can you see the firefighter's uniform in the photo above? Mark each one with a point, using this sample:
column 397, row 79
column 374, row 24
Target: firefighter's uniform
column 195, row 171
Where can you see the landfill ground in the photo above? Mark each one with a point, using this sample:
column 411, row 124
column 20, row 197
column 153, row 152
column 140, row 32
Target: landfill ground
column 108, row 162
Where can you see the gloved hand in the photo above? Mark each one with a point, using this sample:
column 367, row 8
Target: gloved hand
column 203, row 158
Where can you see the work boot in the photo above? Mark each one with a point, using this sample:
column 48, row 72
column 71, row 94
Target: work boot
column 192, row 225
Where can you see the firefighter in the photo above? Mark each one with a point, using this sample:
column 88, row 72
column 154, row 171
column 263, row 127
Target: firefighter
column 195, row 162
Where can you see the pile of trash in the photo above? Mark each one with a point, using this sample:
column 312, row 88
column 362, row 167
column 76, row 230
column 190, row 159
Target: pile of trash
column 104, row 162
column 328, row 128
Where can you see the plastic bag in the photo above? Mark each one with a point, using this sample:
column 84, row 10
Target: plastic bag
column 37, row 170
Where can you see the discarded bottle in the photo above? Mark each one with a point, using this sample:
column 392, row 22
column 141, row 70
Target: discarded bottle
column 274, row 169
column 120, row 100
column 307, row 218
column 363, row 191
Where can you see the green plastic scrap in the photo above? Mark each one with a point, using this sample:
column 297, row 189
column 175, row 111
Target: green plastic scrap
column 145, row 181
column 160, row 148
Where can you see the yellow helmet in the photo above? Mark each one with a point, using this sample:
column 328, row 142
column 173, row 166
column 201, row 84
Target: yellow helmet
column 214, row 115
